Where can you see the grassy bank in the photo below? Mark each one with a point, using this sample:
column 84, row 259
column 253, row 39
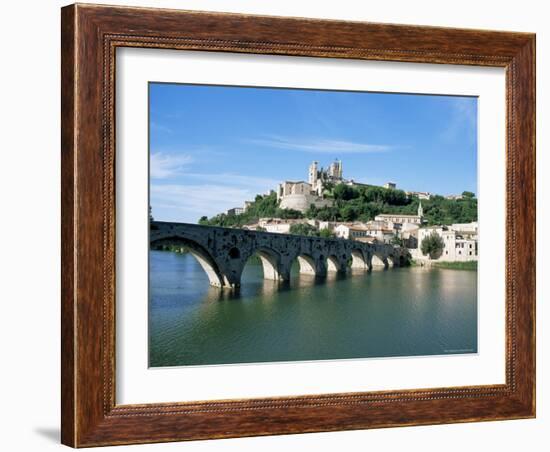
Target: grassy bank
column 468, row 265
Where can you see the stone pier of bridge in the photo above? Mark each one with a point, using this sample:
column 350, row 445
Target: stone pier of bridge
column 224, row 252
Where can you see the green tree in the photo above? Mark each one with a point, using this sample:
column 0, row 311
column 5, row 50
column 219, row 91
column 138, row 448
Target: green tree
column 395, row 240
column 311, row 212
column 290, row 214
column 326, row 234
column 432, row 245
column 344, row 192
column 357, row 203
column 396, row 197
column 328, row 214
column 328, row 189
column 303, row 229
column 348, row 213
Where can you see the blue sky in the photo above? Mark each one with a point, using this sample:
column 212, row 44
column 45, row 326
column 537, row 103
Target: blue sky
column 213, row 147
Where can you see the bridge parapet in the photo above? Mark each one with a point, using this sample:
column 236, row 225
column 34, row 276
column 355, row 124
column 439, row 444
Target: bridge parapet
column 223, row 252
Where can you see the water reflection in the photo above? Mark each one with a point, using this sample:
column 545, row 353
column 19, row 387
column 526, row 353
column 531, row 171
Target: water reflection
column 396, row 312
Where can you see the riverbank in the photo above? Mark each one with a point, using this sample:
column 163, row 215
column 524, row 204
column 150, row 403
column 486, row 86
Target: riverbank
column 468, row 265
column 465, row 265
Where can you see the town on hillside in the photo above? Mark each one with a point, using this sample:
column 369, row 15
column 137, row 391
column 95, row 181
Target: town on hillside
column 328, row 205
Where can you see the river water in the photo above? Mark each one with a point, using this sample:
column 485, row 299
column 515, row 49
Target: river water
column 396, row 312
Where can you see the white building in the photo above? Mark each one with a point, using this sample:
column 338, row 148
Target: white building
column 363, row 232
column 409, row 234
column 288, row 188
column 458, row 247
column 235, row 211
column 301, row 195
column 282, row 225
column 465, row 228
column 396, row 221
column 350, row 231
column 460, row 242
column 420, row 194
column 330, row 225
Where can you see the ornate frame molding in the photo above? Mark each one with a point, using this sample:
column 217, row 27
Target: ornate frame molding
column 90, row 36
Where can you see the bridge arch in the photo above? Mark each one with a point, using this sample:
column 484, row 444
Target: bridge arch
column 307, row 264
column 379, row 261
column 223, row 252
column 358, row 259
column 203, row 257
column 271, row 264
column 337, row 263
column 332, row 263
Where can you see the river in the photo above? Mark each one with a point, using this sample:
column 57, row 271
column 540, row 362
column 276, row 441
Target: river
column 407, row 311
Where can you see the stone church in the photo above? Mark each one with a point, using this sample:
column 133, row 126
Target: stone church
column 299, row 195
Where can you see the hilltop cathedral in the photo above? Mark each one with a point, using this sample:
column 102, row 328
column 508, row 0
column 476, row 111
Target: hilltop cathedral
column 300, row 195
column 317, row 177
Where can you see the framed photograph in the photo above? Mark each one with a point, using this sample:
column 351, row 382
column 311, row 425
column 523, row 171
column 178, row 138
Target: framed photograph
column 281, row 225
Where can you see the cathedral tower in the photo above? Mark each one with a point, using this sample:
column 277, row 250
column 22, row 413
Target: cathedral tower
column 313, row 173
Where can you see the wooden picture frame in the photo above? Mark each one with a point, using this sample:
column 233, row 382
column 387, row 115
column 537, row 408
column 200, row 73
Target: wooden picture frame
column 90, row 36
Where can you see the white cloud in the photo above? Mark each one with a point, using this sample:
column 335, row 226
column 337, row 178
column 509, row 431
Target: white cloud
column 200, row 193
column 163, row 166
column 188, row 203
column 261, row 183
column 325, row 146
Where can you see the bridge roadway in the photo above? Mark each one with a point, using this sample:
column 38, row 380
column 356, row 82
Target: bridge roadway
column 223, row 252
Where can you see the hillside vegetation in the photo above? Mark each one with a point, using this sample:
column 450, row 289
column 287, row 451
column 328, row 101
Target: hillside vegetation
column 358, row 204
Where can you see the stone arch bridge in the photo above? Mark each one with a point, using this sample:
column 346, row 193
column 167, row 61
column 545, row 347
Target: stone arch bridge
column 223, row 252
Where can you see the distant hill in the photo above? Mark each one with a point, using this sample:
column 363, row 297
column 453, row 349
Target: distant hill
column 358, row 203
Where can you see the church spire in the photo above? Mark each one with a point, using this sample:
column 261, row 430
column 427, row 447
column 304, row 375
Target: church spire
column 420, row 210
